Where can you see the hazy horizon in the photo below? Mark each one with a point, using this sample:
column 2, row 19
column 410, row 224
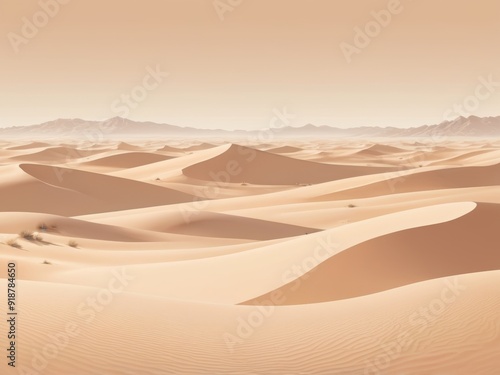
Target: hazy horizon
column 207, row 66
column 232, row 129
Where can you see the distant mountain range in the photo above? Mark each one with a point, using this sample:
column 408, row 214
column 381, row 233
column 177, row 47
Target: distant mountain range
column 118, row 127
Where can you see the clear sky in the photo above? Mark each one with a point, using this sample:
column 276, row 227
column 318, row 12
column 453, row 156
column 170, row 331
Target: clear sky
column 232, row 63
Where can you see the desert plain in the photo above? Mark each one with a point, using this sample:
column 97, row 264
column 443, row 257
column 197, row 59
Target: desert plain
column 306, row 256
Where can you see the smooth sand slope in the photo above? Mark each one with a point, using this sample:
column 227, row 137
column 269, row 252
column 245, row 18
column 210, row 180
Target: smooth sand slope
column 467, row 244
column 393, row 332
column 64, row 191
column 29, row 145
column 56, row 154
column 127, row 160
column 444, row 178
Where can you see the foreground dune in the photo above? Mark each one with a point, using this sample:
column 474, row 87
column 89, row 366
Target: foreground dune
column 464, row 245
column 194, row 338
column 212, row 279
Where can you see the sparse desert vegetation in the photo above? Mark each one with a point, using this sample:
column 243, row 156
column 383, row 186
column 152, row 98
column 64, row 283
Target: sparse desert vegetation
column 44, row 227
column 27, row 235
column 13, row 243
column 72, row 243
column 30, row 236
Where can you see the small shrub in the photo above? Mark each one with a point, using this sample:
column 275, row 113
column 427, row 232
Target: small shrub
column 73, row 243
column 351, row 205
column 13, row 243
column 29, row 236
column 43, row 227
column 46, row 262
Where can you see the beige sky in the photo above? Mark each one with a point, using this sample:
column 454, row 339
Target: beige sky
column 232, row 68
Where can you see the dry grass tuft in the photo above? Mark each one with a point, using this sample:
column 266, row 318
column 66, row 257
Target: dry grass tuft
column 13, row 243
column 73, row 243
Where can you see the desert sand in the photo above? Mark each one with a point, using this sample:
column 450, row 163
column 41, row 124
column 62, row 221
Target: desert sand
column 300, row 257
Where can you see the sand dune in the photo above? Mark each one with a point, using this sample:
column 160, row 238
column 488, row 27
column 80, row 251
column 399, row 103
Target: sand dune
column 192, row 338
column 167, row 148
column 68, row 227
column 69, row 192
column 313, row 257
column 201, row 146
column 29, row 146
column 284, row 150
column 445, row 178
column 228, row 226
column 242, row 164
column 127, row 160
column 477, row 157
column 56, row 155
column 465, row 245
column 124, row 146
column 202, row 223
column 379, row 149
column 334, row 213
column 169, row 168
column 286, row 260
